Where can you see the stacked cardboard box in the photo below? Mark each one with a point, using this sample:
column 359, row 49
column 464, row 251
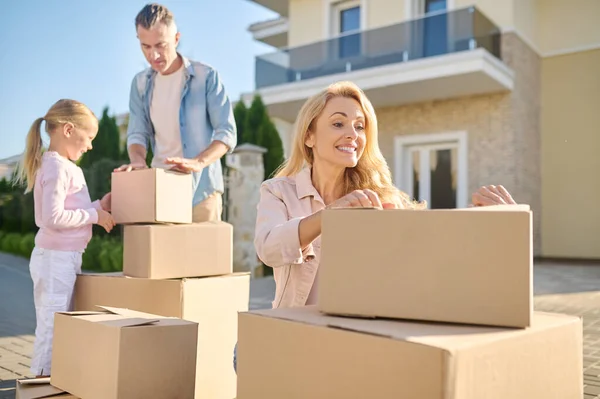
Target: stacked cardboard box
column 174, row 268
column 428, row 304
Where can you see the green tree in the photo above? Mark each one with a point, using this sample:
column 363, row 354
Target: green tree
column 125, row 154
column 260, row 130
column 272, row 142
column 240, row 114
column 256, row 118
column 107, row 142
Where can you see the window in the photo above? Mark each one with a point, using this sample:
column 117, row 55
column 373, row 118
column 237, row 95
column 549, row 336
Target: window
column 430, row 29
column 346, row 24
column 433, row 168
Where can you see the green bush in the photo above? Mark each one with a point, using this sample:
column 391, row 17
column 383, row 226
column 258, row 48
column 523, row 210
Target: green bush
column 26, row 244
column 11, row 243
column 102, row 253
column 91, row 255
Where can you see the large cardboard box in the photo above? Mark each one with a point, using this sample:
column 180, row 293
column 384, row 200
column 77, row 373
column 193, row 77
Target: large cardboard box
column 175, row 251
column 307, row 354
column 212, row 302
column 123, row 354
column 39, row 388
column 472, row 266
column 151, row 196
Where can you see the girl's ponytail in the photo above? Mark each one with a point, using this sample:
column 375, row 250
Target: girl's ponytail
column 32, row 158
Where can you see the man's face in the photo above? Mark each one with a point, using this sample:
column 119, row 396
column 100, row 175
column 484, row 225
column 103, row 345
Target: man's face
column 159, row 45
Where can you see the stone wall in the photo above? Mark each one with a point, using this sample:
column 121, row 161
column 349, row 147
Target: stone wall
column 246, row 173
column 503, row 130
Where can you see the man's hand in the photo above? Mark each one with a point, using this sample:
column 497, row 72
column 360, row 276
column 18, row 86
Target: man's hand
column 185, row 165
column 131, row 166
column 105, row 202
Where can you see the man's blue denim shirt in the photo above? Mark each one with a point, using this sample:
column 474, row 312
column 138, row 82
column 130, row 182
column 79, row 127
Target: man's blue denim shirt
column 205, row 115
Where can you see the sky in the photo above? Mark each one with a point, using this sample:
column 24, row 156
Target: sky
column 87, row 50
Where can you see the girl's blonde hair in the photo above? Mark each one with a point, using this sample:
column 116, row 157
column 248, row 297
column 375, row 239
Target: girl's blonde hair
column 371, row 172
column 63, row 111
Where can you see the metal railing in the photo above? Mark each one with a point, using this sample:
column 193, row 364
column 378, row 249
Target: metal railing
column 431, row 35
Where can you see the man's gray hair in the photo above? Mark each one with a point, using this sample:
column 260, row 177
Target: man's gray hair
column 152, row 14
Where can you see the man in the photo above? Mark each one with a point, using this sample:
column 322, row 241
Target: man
column 181, row 108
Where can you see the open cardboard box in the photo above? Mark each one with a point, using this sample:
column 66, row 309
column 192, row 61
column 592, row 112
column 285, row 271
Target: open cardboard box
column 39, row 388
column 124, row 354
column 212, row 302
column 307, row 354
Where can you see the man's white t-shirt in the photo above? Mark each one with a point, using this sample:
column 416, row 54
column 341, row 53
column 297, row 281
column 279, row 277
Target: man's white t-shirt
column 164, row 114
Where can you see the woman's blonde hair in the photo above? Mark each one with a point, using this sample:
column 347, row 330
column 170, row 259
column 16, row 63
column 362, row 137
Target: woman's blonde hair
column 371, row 172
column 63, row 111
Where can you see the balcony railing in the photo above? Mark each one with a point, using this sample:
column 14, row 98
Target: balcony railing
column 433, row 35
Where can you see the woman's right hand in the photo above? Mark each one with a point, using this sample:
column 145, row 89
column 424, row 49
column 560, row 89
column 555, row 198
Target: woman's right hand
column 358, row 199
column 105, row 220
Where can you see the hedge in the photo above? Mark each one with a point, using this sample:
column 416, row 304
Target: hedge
column 102, row 253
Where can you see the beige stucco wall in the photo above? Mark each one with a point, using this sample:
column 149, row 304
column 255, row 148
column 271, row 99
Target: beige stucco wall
column 384, row 12
column 550, row 25
column 568, row 24
column 501, row 12
column 305, row 22
column 570, row 122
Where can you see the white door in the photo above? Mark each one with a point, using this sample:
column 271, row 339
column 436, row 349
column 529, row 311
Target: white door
column 433, row 168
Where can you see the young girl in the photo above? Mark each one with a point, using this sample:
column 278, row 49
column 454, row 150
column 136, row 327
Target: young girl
column 64, row 214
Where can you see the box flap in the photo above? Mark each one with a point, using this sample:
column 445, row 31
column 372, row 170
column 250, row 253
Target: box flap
column 441, row 335
column 129, row 312
column 130, row 322
column 81, row 313
column 509, row 208
column 36, row 388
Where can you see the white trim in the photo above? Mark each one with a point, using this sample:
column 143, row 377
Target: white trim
column 572, row 50
column 553, row 53
column 263, row 30
column 446, row 65
column 410, row 6
column 328, row 20
column 401, row 143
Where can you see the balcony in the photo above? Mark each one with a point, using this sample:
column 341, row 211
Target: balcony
column 273, row 32
column 439, row 56
column 281, row 7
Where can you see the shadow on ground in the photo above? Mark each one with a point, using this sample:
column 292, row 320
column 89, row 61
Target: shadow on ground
column 7, row 389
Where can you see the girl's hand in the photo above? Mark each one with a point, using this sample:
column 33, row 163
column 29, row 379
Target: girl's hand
column 105, row 202
column 105, row 220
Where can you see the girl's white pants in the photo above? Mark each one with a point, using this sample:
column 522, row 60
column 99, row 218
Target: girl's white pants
column 53, row 273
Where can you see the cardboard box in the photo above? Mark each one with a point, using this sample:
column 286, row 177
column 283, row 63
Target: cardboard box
column 123, row 354
column 39, row 388
column 212, row 302
column 472, row 266
column 176, row 251
column 306, row 354
column 151, row 196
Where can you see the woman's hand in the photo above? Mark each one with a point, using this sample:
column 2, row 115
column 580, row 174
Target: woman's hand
column 492, row 195
column 357, row 199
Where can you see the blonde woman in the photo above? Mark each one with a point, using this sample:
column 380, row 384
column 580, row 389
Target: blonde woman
column 64, row 214
column 335, row 162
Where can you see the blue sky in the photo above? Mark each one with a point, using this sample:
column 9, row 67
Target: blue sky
column 87, row 50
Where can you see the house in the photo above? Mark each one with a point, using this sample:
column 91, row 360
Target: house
column 8, row 166
column 467, row 93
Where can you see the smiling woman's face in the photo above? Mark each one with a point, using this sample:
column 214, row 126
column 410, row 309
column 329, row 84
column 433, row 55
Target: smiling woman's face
column 338, row 137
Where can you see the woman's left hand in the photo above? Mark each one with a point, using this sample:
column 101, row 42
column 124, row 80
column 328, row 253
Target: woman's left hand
column 492, row 195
